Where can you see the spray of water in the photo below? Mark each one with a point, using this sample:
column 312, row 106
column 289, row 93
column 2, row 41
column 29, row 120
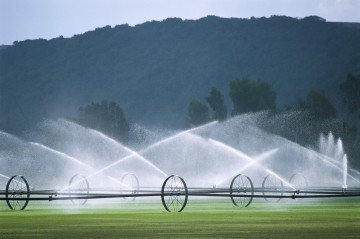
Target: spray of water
column 4, row 176
column 138, row 155
column 345, row 171
column 336, row 164
column 200, row 159
column 133, row 154
column 77, row 161
column 244, row 156
column 61, row 154
column 175, row 136
column 256, row 160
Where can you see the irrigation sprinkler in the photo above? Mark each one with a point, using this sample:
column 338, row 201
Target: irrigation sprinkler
column 174, row 192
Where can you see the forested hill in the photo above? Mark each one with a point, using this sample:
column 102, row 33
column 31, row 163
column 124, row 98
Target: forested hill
column 154, row 69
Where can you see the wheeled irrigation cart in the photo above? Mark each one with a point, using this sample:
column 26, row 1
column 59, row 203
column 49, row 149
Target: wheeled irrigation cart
column 174, row 192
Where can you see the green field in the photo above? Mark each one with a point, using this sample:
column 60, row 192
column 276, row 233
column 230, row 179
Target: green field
column 200, row 219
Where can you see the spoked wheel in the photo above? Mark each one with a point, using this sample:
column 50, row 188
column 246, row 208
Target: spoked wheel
column 241, row 190
column 174, row 194
column 17, row 193
column 272, row 186
column 298, row 181
column 130, row 185
column 78, row 187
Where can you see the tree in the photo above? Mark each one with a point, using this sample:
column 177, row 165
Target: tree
column 350, row 91
column 251, row 96
column 319, row 105
column 105, row 117
column 198, row 113
column 216, row 103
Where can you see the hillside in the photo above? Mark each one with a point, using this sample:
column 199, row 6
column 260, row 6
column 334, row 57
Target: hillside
column 154, row 69
column 3, row 46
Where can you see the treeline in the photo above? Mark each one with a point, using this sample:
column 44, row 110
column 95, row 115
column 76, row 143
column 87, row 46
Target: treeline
column 319, row 115
column 247, row 96
column 252, row 96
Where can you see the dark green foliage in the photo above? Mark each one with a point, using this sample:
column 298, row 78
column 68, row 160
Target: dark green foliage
column 105, row 117
column 216, row 103
column 198, row 113
column 350, row 91
column 319, row 105
column 251, row 96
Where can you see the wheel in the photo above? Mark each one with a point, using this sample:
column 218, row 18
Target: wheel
column 298, row 181
column 174, row 194
column 78, row 187
column 272, row 186
column 130, row 183
column 17, row 193
column 241, row 190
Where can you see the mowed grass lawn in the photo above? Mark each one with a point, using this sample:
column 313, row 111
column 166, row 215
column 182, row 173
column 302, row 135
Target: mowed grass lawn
column 200, row 219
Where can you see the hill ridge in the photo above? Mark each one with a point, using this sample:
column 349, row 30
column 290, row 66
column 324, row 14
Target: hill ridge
column 155, row 68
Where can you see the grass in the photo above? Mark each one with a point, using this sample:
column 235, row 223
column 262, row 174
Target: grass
column 200, row 219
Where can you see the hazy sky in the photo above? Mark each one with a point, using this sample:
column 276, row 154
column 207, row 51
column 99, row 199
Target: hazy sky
column 32, row 19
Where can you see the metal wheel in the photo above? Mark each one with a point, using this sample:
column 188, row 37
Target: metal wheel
column 78, row 187
column 130, row 185
column 241, row 190
column 174, row 194
column 298, row 181
column 272, row 186
column 17, row 193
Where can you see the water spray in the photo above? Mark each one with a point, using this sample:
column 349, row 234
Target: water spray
column 242, row 155
column 256, row 159
column 345, row 171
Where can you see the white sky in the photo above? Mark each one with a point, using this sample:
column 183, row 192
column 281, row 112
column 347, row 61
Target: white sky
column 33, row 19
